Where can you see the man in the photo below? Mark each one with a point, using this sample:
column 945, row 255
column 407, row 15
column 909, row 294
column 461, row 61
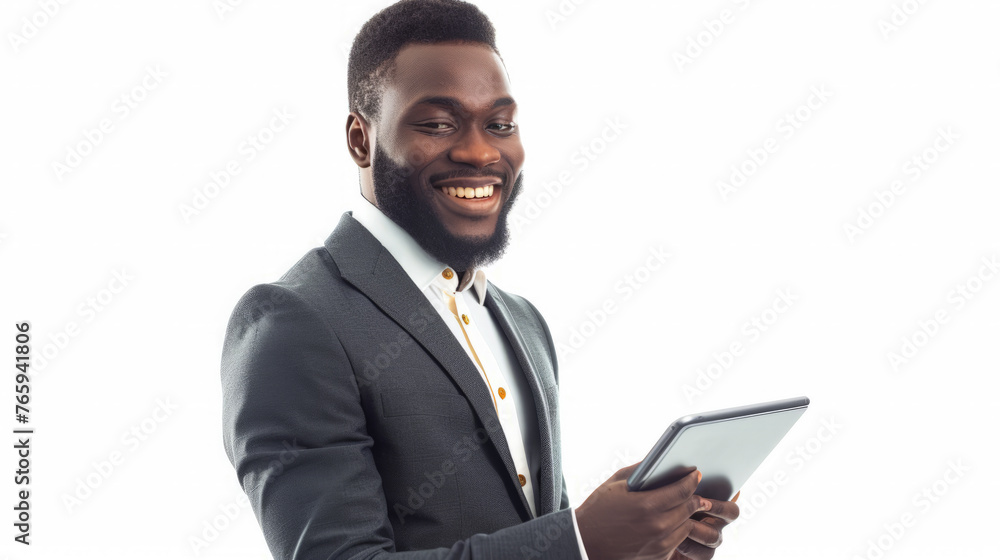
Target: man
column 383, row 397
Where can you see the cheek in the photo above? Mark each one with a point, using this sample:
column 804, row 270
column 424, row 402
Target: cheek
column 420, row 151
column 409, row 151
column 515, row 153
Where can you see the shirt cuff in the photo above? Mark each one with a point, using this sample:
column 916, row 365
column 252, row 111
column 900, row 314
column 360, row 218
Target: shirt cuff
column 579, row 539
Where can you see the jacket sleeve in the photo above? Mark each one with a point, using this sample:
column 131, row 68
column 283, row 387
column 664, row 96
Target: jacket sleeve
column 295, row 431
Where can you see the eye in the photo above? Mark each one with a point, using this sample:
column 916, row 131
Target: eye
column 506, row 127
column 437, row 126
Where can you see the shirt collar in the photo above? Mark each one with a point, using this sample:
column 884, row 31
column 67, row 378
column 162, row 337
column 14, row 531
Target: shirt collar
column 419, row 265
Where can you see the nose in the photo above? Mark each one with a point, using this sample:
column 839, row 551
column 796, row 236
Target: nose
column 475, row 148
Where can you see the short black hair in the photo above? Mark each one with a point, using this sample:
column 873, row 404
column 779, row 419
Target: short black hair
column 370, row 64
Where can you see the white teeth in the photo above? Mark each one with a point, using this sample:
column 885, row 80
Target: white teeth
column 469, row 192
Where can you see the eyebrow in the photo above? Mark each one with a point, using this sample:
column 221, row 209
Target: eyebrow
column 452, row 103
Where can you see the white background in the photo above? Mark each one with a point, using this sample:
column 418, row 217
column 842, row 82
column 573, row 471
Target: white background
column 876, row 435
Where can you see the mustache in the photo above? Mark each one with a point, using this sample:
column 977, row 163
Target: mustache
column 468, row 174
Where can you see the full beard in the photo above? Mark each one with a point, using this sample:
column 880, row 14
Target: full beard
column 415, row 213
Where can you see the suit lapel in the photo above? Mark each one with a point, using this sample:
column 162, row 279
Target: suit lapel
column 369, row 267
column 546, row 494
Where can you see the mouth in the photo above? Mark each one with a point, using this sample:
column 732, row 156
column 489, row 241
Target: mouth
column 468, row 192
column 468, row 187
column 471, row 196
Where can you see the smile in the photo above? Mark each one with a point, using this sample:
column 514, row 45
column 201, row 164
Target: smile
column 471, row 202
column 468, row 192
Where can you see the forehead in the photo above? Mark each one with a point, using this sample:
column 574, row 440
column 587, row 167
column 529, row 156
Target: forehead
column 469, row 72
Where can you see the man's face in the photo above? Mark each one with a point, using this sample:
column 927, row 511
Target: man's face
column 447, row 124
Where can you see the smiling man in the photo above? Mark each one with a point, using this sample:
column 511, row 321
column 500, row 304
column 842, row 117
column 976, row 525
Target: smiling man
column 384, row 398
column 452, row 198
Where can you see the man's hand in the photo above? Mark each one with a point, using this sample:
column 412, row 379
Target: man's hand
column 647, row 525
column 706, row 535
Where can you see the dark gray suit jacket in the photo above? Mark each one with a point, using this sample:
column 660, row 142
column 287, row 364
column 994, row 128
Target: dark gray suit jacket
column 359, row 427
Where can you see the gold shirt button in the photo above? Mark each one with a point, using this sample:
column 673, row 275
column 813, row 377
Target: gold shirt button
column 501, row 392
column 465, row 318
column 447, row 274
column 521, row 479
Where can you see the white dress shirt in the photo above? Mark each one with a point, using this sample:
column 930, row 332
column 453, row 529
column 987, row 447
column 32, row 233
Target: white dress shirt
column 500, row 371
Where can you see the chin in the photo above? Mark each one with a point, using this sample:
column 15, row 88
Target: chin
column 473, row 235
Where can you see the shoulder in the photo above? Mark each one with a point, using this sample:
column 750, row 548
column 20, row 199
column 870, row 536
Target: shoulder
column 301, row 289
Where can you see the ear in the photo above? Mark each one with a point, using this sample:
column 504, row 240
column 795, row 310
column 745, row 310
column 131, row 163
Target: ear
column 359, row 138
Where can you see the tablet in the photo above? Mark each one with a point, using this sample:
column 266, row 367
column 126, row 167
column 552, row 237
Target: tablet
column 726, row 445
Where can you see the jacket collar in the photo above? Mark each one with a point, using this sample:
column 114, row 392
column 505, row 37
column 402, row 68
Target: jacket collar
column 418, row 264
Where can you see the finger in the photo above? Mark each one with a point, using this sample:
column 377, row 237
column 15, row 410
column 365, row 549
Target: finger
column 692, row 550
column 727, row 511
column 705, row 534
column 672, row 495
column 678, row 555
column 677, row 519
column 673, row 539
column 705, row 518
